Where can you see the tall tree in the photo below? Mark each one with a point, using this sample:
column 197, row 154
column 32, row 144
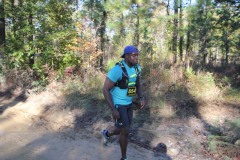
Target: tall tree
column 181, row 31
column 175, row 31
column 98, row 15
column 135, row 11
column 188, row 41
column 2, row 24
column 228, row 21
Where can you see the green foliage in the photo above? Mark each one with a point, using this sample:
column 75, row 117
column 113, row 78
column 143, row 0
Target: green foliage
column 2, row 78
column 39, row 85
column 111, row 63
column 225, row 82
column 83, row 92
column 70, row 59
column 225, row 144
column 57, row 35
column 41, row 30
column 232, row 94
column 202, row 85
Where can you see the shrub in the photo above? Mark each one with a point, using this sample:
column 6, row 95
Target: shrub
column 202, row 85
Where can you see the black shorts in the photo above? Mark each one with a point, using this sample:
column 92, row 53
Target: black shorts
column 126, row 115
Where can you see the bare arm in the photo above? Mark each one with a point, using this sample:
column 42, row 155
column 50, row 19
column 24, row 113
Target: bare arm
column 108, row 85
column 140, row 94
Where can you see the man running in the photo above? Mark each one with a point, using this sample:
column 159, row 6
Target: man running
column 121, row 85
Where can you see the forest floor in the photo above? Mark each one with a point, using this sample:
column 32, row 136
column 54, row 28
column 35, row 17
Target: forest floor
column 34, row 127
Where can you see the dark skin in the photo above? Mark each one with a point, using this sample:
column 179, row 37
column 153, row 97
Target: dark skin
column 131, row 60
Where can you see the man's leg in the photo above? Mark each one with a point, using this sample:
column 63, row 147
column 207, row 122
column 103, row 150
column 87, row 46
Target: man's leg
column 123, row 141
column 126, row 119
column 122, row 127
column 114, row 131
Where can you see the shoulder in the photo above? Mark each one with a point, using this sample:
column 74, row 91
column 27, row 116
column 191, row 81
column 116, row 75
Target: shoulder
column 117, row 68
column 115, row 73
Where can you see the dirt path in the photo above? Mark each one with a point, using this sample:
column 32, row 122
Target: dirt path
column 25, row 134
column 36, row 128
column 56, row 146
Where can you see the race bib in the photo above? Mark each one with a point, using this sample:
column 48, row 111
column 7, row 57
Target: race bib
column 131, row 91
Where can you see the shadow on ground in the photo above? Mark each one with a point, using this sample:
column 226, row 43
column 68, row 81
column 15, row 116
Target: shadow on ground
column 96, row 111
column 7, row 95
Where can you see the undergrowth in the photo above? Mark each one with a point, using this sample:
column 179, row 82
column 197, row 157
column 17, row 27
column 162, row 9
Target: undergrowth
column 202, row 85
column 226, row 144
column 170, row 93
column 232, row 94
column 86, row 92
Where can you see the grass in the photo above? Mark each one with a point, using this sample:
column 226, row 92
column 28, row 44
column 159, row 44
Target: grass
column 232, row 94
column 224, row 143
column 167, row 97
column 202, row 86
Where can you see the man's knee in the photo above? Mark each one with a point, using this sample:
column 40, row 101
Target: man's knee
column 125, row 131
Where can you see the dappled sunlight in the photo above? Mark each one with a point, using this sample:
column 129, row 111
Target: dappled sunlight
column 166, row 111
column 216, row 113
column 14, row 124
column 209, row 94
column 195, row 123
column 45, row 109
column 177, row 135
column 64, row 122
column 100, row 125
column 14, row 121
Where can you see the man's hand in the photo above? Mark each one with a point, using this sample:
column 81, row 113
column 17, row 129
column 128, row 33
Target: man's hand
column 141, row 103
column 115, row 114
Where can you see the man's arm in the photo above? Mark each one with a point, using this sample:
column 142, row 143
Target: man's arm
column 108, row 85
column 139, row 93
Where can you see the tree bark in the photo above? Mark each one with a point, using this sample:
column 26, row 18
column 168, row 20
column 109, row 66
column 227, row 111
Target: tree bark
column 136, row 33
column 2, row 24
column 175, row 30
column 168, row 6
column 226, row 46
column 181, row 33
column 30, row 38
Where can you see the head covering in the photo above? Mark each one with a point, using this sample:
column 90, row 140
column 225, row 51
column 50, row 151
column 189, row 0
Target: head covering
column 129, row 50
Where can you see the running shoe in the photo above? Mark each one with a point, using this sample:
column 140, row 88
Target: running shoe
column 105, row 137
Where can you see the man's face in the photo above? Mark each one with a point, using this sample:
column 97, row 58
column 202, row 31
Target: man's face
column 132, row 58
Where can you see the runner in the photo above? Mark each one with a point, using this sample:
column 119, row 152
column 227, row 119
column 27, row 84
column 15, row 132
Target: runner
column 121, row 85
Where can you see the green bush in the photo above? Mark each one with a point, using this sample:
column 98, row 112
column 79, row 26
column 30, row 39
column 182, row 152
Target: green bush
column 202, row 85
column 232, row 94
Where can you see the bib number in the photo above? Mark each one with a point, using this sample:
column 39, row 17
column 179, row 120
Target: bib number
column 131, row 91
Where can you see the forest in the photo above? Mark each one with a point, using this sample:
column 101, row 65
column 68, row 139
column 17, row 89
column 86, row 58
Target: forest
column 189, row 52
column 91, row 33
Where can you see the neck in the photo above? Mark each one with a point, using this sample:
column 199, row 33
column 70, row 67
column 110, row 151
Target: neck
column 129, row 64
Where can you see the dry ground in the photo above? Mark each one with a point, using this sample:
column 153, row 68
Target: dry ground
column 34, row 127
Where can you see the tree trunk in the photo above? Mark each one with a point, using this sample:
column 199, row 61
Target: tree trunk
column 181, row 33
column 175, row 30
column 30, row 38
column 226, row 47
column 2, row 24
column 187, row 55
column 102, row 36
column 136, row 33
column 168, row 6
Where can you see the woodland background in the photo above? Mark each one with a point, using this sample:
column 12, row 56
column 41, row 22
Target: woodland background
column 189, row 51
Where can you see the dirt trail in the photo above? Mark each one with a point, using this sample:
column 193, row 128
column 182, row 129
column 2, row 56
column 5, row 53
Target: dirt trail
column 55, row 146
column 37, row 128
column 25, row 134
